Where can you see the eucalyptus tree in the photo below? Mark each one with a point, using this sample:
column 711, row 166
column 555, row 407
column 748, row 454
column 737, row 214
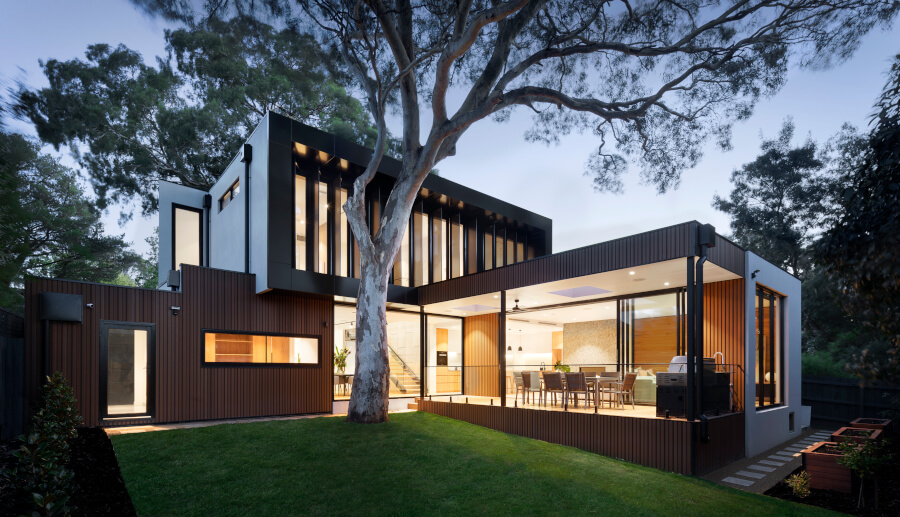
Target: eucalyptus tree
column 653, row 80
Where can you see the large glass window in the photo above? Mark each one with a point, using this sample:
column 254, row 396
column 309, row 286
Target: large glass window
column 221, row 347
column 403, row 339
column 769, row 349
column 444, row 355
column 322, row 222
column 650, row 333
column 188, row 236
column 300, row 216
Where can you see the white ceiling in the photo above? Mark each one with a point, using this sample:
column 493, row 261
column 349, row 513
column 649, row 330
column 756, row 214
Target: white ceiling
column 652, row 277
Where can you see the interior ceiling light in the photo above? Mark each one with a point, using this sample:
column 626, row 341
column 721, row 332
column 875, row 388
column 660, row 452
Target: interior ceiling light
column 667, row 283
column 631, row 272
column 495, row 296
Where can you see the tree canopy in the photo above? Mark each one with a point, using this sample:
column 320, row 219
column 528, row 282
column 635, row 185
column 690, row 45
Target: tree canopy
column 779, row 201
column 48, row 226
column 131, row 124
column 861, row 248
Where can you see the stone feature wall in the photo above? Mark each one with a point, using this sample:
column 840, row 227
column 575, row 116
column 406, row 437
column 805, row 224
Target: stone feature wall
column 589, row 342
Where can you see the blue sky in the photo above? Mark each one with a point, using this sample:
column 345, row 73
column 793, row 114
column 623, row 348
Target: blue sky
column 495, row 158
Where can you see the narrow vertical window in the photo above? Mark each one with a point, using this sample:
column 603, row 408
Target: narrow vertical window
column 300, row 222
column 498, row 260
column 322, row 222
column 520, row 251
column 344, row 242
column 420, row 247
column 510, row 248
column 488, row 250
column 456, row 248
column 769, row 349
column 187, row 230
column 472, row 249
column 439, row 249
column 401, row 263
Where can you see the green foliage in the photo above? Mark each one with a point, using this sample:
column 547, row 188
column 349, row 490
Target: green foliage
column 340, row 358
column 41, row 480
column 778, row 201
column 182, row 119
column 866, row 459
column 559, row 367
column 48, row 226
column 799, row 483
column 861, row 249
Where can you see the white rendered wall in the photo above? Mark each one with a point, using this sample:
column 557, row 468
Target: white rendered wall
column 767, row 428
column 169, row 194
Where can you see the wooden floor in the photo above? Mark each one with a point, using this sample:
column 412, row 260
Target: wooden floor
column 639, row 411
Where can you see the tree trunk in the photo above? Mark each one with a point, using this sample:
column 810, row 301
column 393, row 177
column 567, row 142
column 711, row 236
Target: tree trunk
column 371, row 383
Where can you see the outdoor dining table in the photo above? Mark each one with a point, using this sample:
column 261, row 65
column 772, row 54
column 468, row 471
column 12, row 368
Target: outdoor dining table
column 602, row 381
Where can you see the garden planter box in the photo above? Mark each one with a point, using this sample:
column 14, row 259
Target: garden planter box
column 855, row 435
column 820, row 460
column 882, row 424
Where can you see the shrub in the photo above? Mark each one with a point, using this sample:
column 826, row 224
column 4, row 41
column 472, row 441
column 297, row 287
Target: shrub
column 799, row 483
column 41, row 481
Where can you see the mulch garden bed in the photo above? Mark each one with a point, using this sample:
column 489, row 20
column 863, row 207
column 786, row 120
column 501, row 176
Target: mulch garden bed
column 888, row 497
column 100, row 488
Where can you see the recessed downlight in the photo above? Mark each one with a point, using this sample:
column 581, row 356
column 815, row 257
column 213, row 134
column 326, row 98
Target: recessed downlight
column 631, row 272
column 667, row 283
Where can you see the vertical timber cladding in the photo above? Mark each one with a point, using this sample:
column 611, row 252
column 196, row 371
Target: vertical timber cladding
column 723, row 329
column 482, row 366
column 186, row 390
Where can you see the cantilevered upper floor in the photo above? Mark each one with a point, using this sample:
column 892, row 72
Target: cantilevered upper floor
column 276, row 212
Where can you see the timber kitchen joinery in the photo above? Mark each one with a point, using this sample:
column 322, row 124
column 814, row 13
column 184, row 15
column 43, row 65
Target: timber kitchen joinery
column 676, row 334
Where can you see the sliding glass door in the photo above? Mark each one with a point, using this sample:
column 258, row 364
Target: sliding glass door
column 126, row 369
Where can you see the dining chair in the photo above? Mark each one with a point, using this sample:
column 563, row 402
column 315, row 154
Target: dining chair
column 532, row 381
column 553, row 384
column 575, row 384
column 520, row 385
column 604, row 389
column 626, row 389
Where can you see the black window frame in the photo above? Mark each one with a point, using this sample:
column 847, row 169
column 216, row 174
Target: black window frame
column 206, row 364
column 175, row 207
column 776, row 328
column 230, row 193
column 105, row 326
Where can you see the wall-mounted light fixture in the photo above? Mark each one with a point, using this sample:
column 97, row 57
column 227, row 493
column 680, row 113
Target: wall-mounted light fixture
column 175, row 310
column 753, row 274
column 90, row 306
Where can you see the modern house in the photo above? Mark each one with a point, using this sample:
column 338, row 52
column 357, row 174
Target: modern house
column 260, row 275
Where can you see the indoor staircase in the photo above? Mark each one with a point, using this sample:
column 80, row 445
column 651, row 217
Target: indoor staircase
column 403, row 379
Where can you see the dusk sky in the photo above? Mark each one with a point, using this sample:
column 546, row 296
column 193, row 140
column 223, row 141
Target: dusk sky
column 495, row 158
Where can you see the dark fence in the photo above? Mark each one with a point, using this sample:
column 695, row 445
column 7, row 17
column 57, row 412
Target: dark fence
column 12, row 367
column 838, row 400
column 653, row 442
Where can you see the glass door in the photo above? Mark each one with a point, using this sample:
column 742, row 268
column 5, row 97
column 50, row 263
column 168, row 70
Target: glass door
column 126, row 369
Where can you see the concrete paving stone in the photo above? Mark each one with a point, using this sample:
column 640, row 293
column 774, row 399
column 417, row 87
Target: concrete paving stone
column 761, row 468
column 781, row 457
column 754, row 475
column 772, row 463
column 737, row 481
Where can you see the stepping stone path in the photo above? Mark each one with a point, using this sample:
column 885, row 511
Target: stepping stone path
column 764, row 467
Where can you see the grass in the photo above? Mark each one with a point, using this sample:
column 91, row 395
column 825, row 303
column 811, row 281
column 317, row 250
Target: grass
column 417, row 464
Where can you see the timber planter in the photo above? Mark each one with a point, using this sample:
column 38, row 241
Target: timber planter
column 882, row 424
column 820, row 460
column 855, row 435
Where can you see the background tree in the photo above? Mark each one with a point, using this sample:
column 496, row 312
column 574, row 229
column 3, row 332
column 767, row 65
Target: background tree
column 131, row 124
column 654, row 80
column 861, row 248
column 778, row 202
column 48, row 227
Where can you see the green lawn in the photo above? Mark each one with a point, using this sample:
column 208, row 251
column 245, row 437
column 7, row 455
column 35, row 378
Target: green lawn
column 418, row 464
